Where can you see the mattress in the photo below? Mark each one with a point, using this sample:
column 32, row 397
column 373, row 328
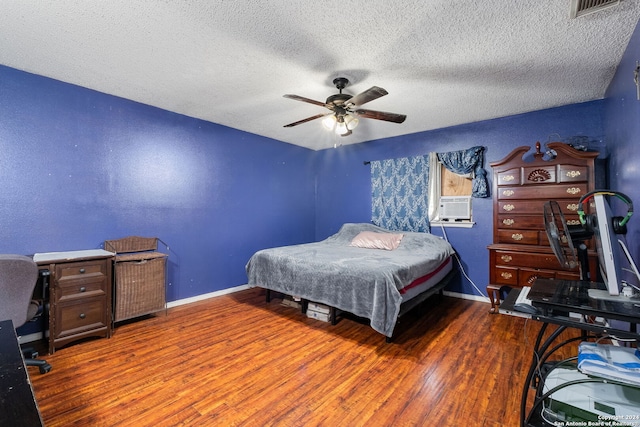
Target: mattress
column 427, row 282
column 366, row 282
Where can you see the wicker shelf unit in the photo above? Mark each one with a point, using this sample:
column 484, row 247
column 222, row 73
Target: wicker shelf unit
column 140, row 277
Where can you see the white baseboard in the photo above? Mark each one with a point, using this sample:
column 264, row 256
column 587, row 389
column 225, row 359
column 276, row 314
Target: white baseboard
column 206, row 296
column 467, row 296
column 243, row 287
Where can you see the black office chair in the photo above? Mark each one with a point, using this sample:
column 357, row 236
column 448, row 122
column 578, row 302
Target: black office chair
column 18, row 278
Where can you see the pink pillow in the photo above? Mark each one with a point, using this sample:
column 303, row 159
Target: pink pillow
column 373, row 240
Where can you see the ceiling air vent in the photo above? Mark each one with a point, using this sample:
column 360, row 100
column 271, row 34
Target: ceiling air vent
column 585, row 7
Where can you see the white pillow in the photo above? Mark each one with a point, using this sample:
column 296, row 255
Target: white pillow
column 373, row 240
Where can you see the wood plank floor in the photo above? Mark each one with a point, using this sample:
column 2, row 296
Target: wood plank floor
column 235, row 360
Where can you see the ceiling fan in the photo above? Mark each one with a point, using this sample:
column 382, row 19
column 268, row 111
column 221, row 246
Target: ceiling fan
column 344, row 112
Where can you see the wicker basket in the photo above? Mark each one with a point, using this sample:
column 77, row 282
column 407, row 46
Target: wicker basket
column 139, row 277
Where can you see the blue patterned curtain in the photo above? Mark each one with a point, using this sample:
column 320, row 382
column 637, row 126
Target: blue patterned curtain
column 466, row 161
column 399, row 190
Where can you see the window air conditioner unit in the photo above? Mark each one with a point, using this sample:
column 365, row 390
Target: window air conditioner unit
column 455, row 207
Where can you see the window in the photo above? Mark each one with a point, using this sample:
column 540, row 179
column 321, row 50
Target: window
column 399, row 187
column 450, row 197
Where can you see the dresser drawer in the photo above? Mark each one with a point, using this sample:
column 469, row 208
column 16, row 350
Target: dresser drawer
column 535, row 207
column 520, row 237
column 543, row 192
column 506, row 276
column 573, row 173
column 75, row 317
column 514, row 207
column 81, row 270
column 520, row 276
column 533, row 222
column 539, row 175
column 526, row 276
column 526, row 259
column 509, row 177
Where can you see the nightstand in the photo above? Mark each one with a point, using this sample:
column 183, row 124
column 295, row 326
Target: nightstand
column 79, row 284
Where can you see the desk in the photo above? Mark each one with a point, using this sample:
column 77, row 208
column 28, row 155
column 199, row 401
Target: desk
column 556, row 299
column 18, row 405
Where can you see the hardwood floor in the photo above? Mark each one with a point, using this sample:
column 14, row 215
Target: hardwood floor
column 237, row 361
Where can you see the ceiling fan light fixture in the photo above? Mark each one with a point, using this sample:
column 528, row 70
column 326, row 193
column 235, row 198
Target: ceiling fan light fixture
column 351, row 121
column 345, row 124
column 329, row 122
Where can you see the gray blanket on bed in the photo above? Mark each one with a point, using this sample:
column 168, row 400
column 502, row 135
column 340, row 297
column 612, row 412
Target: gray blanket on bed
column 365, row 282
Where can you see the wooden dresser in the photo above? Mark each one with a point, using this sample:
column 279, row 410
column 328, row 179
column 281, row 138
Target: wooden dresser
column 520, row 252
column 79, row 294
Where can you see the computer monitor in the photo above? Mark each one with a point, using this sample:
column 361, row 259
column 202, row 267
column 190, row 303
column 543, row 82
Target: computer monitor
column 607, row 246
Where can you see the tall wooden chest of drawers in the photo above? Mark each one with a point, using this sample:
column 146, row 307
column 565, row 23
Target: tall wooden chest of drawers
column 520, row 252
column 79, row 295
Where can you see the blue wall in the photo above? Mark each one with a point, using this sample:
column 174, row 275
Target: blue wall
column 622, row 128
column 79, row 167
column 344, row 190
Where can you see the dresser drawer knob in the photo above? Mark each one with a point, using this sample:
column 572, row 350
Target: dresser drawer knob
column 517, row 236
column 506, row 275
column 82, row 315
column 82, row 288
column 506, row 258
column 82, row 270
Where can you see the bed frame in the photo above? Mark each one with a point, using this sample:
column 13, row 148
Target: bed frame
column 405, row 307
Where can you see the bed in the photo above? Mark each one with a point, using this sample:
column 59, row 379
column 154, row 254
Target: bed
column 376, row 284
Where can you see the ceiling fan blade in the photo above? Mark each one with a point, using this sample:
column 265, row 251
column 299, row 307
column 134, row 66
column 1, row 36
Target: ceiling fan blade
column 308, row 119
column 370, row 94
column 303, row 99
column 381, row 115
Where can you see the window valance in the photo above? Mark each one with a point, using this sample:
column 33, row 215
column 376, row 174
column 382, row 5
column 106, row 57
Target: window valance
column 468, row 161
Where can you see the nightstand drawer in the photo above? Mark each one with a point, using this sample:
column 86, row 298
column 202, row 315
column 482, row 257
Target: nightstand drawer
column 81, row 270
column 73, row 289
column 76, row 317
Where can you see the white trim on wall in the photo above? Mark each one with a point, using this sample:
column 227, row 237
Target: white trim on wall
column 207, row 296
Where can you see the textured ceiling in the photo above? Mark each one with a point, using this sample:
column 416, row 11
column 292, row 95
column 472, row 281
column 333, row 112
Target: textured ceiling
column 230, row 61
